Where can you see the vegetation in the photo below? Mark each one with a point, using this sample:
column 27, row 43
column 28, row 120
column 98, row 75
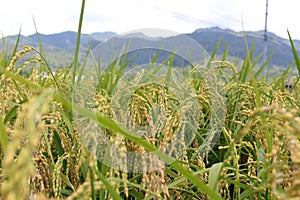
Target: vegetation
column 59, row 47
column 43, row 155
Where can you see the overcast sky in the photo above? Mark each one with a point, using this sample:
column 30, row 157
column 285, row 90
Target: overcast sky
column 182, row 16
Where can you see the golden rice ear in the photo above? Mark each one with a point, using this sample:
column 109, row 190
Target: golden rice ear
column 46, row 159
column 18, row 55
column 18, row 163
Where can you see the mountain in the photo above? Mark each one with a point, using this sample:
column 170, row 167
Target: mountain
column 279, row 47
column 60, row 40
column 59, row 48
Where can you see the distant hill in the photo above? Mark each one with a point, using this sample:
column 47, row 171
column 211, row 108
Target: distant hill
column 59, row 48
column 280, row 47
column 60, row 40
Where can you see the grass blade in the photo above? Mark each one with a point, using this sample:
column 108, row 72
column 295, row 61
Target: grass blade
column 225, row 52
column 41, row 49
column 3, row 136
column 76, row 55
column 297, row 61
column 12, row 114
column 262, row 67
column 214, row 174
column 41, row 53
column 17, row 44
column 109, row 187
column 213, row 55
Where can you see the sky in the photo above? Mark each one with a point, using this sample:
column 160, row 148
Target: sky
column 121, row 16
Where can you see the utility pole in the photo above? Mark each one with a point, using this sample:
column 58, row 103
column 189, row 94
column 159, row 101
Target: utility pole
column 266, row 33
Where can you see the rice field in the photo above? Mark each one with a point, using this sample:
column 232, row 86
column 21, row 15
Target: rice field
column 50, row 151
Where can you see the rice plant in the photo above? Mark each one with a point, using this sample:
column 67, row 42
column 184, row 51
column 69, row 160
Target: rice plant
column 43, row 155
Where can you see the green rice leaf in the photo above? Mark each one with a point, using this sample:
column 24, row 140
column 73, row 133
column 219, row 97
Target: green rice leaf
column 3, row 136
column 297, row 61
column 109, row 187
column 214, row 174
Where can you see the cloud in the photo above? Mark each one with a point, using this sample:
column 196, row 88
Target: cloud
column 122, row 16
column 199, row 22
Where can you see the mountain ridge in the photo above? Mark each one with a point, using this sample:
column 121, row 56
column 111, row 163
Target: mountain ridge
column 61, row 45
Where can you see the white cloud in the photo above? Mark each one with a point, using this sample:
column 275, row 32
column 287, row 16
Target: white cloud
column 122, row 16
